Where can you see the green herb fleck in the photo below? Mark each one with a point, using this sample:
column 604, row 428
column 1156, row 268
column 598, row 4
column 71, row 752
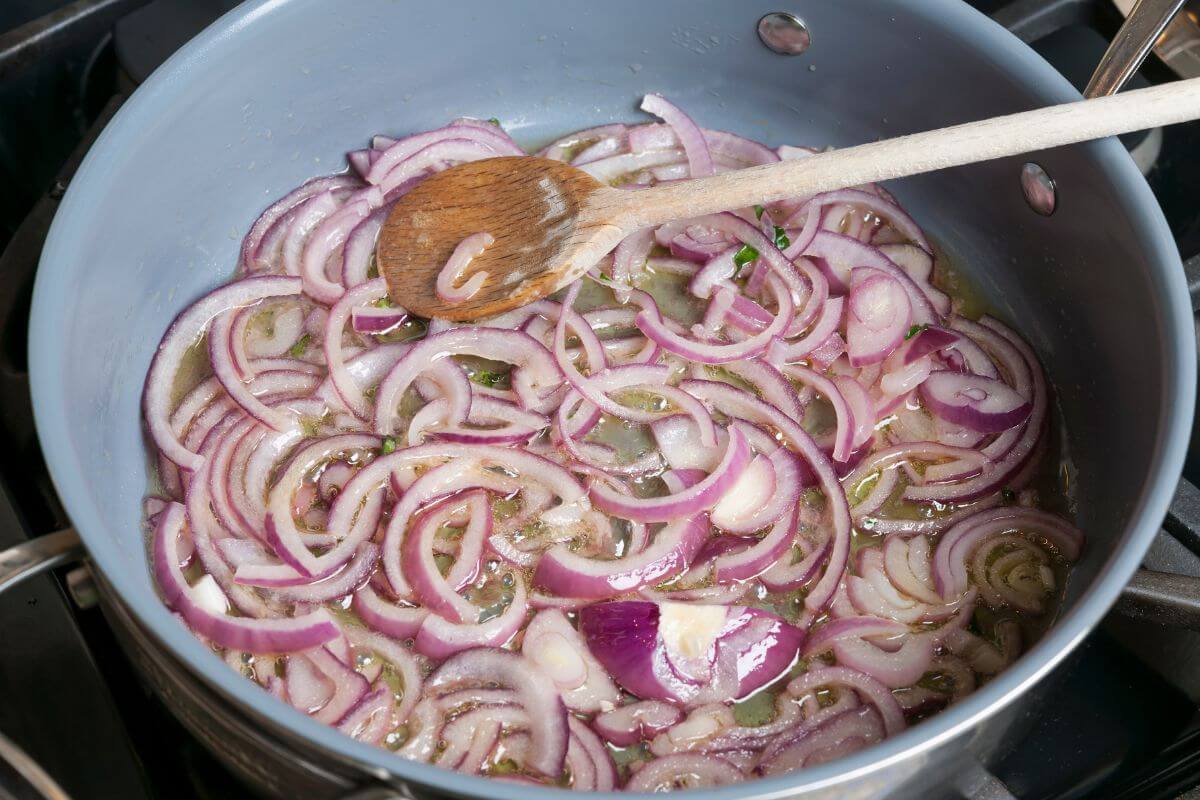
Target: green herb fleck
column 487, row 377
column 494, row 121
column 758, row 211
column 915, row 329
column 743, row 257
column 297, row 350
column 383, row 302
column 1008, row 494
column 389, row 445
column 781, row 238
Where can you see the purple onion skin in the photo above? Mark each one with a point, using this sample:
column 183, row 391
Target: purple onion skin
column 622, row 635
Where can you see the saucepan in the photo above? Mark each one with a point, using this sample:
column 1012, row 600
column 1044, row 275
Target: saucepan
column 277, row 90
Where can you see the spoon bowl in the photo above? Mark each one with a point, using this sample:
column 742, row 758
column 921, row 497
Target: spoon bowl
column 535, row 208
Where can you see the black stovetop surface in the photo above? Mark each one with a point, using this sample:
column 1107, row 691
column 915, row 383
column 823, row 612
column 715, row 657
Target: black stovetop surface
column 1122, row 718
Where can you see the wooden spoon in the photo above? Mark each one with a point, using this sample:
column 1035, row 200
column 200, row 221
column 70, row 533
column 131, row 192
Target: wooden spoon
column 552, row 222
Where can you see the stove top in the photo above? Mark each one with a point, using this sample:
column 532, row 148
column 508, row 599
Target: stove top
column 1122, row 722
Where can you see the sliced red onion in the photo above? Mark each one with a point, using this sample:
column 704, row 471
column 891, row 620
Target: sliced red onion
column 1011, row 450
column 871, row 592
column 746, row 496
column 440, row 638
column 308, row 217
column 458, row 263
column 251, row 257
column 930, row 525
column 983, row 656
column 851, row 431
column 557, row 149
column 348, row 390
column 630, row 257
column 537, row 696
column 744, row 405
column 490, row 138
column 277, row 635
column 326, row 238
column 693, row 500
column 597, row 388
column 588, row 760
column 812, row 344
column 889, row 457
column 398, row 622
column 727, row 145
column 287, row 326
column 564, row 572
column 433, row 590
column 876, row 204
column 553, row 644
column 981, row 404
column 226, row 371
column 867, row 687
column 651, row 322
column 349, row 686
column 299, row 511
column 607, row 146
column 907, row 562
column 684, row 771
column 371, row 719
column 838, row 735
column 465, row 146
column 761, row 556
column 1019, row 577
column 894, row 669
column 179, row 338
column 531, row 357
column 610, row 169
column 918, row 263
column 282, row 533
column 307, row 687
column 375, row 319
column 717, row 271
column 688, row 652
column 360, row 248
column 878, row 318
column 770, row 384
column 340, row 584
column 836, row 630
column 405, row 663
column 678, row 439
column 840, row 254
column 466, row 473
column 958, row 543
column 632, row 723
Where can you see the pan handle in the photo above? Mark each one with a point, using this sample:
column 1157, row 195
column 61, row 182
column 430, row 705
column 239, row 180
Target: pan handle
column 38, row 555
column 1163, row 598
column 1133, row 42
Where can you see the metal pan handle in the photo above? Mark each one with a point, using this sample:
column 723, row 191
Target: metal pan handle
column 1133, row 42
column 38, row 555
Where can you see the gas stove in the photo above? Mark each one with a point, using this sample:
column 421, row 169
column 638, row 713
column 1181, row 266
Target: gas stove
column 1123, row 721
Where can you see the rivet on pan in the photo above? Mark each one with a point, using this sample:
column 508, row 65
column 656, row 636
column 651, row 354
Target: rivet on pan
column 784, row 33
column 1039, row 189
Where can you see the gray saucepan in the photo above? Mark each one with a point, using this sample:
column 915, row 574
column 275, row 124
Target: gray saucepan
column 277, row 90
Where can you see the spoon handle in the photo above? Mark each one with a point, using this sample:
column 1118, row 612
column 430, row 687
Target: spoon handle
column 914, row 154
